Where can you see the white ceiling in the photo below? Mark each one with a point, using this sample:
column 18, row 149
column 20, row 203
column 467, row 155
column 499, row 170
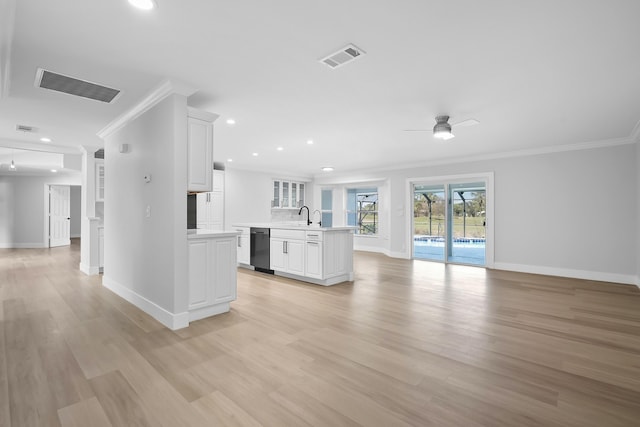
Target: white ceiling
column 535, row 74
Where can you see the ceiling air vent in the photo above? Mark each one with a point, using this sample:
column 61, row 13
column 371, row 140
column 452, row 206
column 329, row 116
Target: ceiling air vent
column 99, row 154
column 25, row 128
column 343, row 56
column 60, row 83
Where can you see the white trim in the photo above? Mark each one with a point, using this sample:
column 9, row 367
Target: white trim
column 23, row 246
column 89, row 271
column 605, row 143
column 75, row 236
column 208, row 311
column 348, row 277
column 168, row 319
column 567, row 272
column 163, row 90
column 375, row 249
column 401, row 255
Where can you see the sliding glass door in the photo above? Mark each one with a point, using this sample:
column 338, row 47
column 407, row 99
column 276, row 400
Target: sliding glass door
column 449, row 222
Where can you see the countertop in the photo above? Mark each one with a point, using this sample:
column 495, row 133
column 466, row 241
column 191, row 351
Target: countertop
column 203, row 233
column 290, row 226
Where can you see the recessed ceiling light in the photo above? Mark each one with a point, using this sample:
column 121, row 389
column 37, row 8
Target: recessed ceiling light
column 310, row 141
column 143, row 4
column 327, row 169
column 229, row 160
column 45, row 139
column 54, row 170
column 280, row 148
column 255, row 154
column 231, row 122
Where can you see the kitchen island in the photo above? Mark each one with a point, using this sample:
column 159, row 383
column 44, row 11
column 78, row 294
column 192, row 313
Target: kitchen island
column 212, row 272
column 318, row 255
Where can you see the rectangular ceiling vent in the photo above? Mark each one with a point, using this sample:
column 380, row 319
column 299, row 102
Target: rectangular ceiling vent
column 25, row 128
column 99, row 154
column 72, row 86
column 343, row 56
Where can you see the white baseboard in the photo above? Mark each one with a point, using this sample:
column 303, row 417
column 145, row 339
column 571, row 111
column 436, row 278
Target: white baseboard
column 75, row 236
column 566, row 272
column 88, row 270
column 211, row 310
column 23, row 246
column 170, row 320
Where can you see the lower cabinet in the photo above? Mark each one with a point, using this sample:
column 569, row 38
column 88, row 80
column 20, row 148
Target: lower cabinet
column 287, row 251
column 101, row 247
column 243, row 249
column 212, row 275
column 314, row 260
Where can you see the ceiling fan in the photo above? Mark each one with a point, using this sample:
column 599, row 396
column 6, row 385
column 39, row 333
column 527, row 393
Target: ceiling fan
column 442, row 129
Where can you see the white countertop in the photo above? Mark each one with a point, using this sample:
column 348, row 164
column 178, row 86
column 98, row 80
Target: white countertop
column 203, row 233
column 290, row 226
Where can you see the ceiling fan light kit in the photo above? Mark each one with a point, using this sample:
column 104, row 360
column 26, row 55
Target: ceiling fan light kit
column 442, row 129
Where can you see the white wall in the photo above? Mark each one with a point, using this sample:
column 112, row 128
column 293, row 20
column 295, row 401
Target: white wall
column 145, row 259
column 248, row 198
column 22, row 209
column 75, row 202
column 571, row 213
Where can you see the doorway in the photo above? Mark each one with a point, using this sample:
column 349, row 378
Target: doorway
column 449, row 220
column 59, row 215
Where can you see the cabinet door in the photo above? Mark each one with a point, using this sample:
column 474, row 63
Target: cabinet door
column 199, row 276
column 275, row 203
column 244, row 254
column 202, row 210
column 216, row 207
column 300, row 195
column 314, row 260
column 285, row 194
column 277, row 254
column 224, row 270
column 199, row 155
column 295, row 257
column 99, row 182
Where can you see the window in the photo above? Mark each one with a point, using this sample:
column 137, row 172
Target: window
column 326, row 208
column 362, row 210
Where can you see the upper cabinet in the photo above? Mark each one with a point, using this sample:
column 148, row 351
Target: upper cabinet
column 100, row 182
column 200, row 150
column 287, row 194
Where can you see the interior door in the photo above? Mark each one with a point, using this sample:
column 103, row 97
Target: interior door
column 59, row 215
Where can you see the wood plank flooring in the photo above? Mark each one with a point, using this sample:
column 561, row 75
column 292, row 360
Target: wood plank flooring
column 408, row 343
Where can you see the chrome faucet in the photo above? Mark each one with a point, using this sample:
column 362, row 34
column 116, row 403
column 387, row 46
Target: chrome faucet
column 300, row 213
column 314, row 217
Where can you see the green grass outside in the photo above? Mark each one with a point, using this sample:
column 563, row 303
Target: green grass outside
column 474, row 227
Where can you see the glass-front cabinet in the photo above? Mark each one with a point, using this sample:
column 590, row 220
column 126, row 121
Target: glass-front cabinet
column 287, row 194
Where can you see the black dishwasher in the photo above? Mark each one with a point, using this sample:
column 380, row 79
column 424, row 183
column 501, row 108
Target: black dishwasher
column 260, row 248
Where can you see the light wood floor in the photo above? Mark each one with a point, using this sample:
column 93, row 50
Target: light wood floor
column 407, row 343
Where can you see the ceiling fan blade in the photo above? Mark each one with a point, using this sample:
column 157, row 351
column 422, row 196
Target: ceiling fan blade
column 468, row 122
column 417, row 130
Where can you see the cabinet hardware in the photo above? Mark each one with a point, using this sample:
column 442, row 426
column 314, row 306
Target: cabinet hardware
column 312, row 243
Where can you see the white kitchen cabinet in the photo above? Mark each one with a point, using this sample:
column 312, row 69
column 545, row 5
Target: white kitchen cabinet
column 212, row 274
column 288, row 194
column 244, row 250
column 287, row 251
column 210, row 205
column 100, row 182
column 314, row 260
column 200, row 150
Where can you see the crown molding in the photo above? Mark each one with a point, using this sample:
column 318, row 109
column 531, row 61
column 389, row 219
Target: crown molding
column 163, row 90
column 606, row 143
column 7, row 19
column 37, row 146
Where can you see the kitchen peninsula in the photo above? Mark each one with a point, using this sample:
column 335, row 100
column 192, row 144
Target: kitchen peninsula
column 318, row 255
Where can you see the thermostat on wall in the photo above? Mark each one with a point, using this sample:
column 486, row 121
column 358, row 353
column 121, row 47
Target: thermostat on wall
column 147, row 178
